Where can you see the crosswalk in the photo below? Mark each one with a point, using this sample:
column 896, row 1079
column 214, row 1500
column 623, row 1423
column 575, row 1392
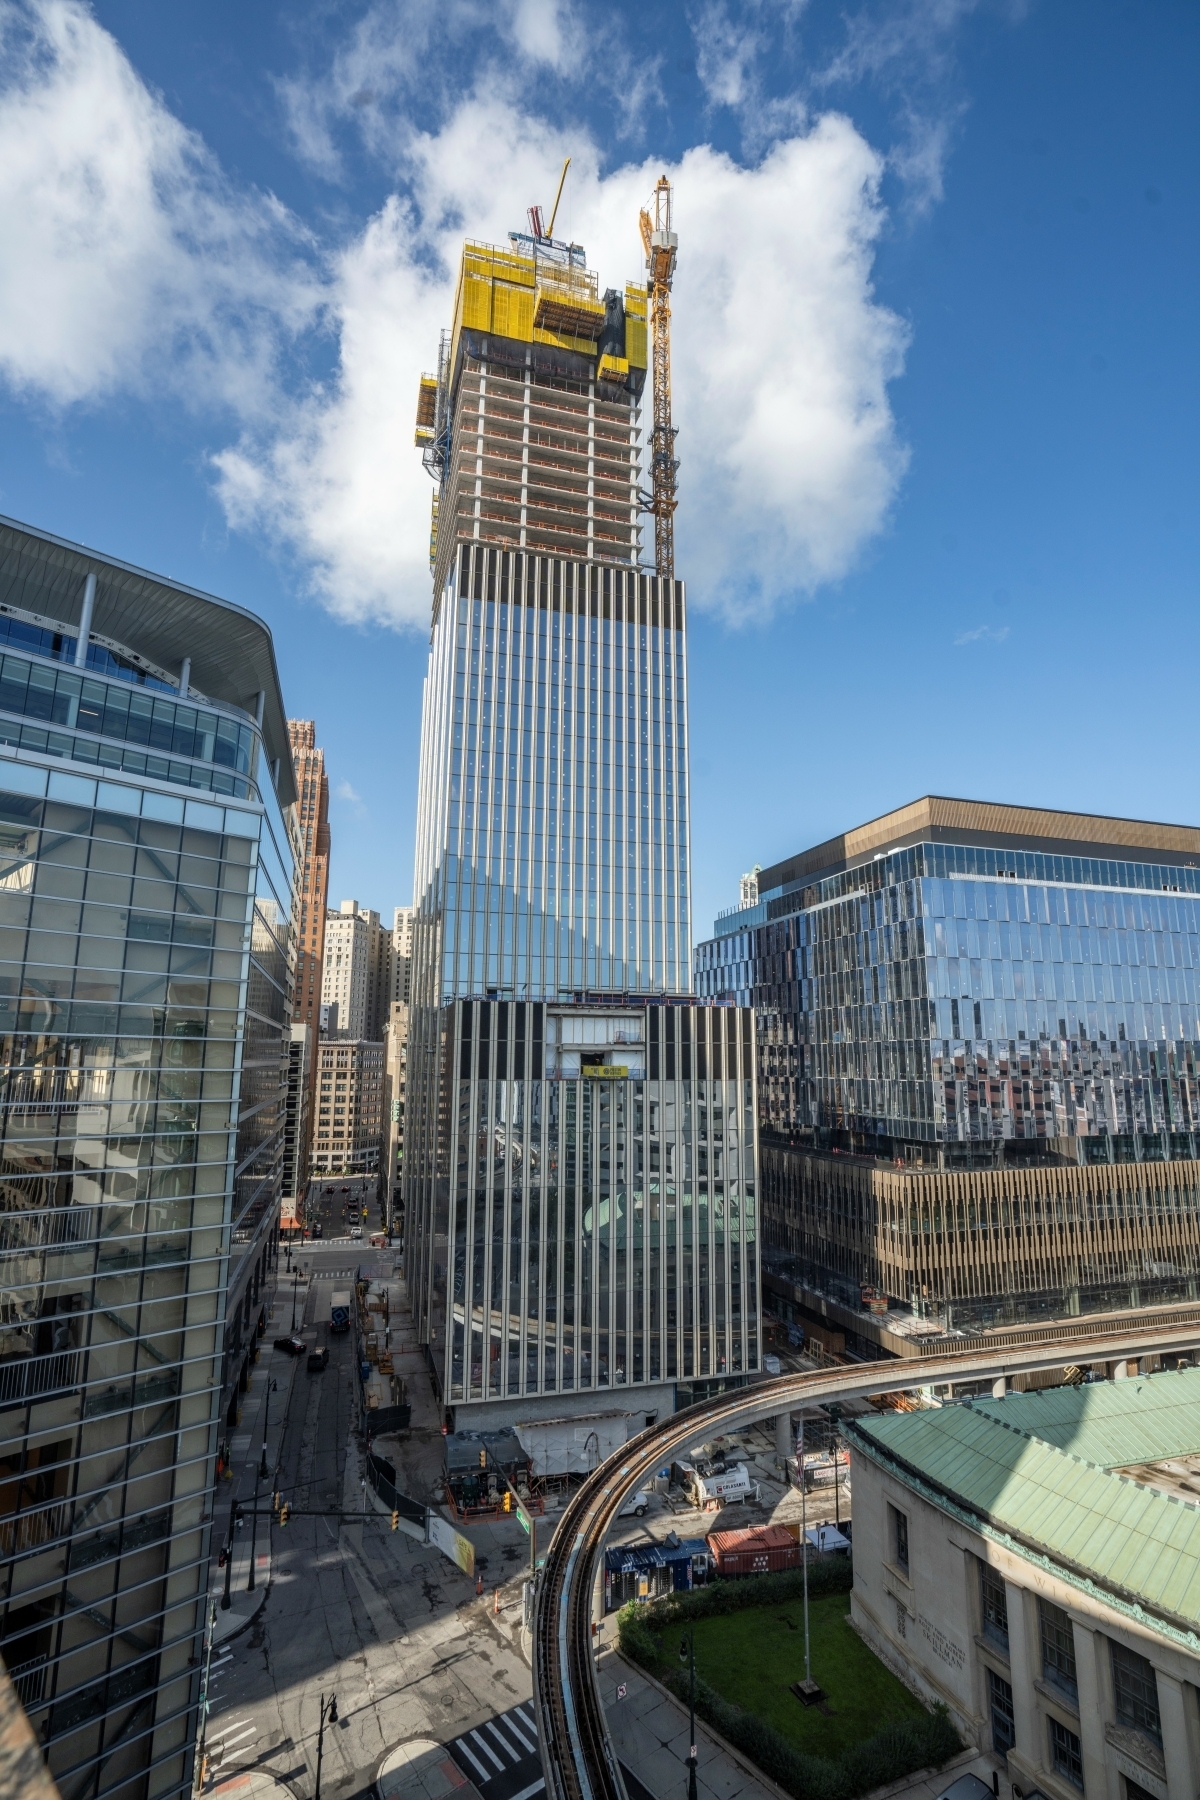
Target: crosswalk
column 501, row 1756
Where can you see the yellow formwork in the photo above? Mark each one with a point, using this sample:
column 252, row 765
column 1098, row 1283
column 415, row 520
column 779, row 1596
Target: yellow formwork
column 500, row 292
column 426, row 410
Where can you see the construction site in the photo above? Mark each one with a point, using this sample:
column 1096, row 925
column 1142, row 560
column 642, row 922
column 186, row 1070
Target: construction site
column 531, row 426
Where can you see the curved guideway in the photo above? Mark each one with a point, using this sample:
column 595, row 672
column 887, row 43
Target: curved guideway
column 579, row 1759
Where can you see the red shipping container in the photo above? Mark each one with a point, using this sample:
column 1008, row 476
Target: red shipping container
column 755, row 1550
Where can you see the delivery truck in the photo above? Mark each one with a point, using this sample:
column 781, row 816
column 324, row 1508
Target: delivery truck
column 339, row 1310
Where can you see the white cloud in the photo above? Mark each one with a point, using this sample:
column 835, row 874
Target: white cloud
column 782, row 357
column 130, row 262
column 344, row 791
column 727, row 51
column 143, row 269
column 991, row 634
column 405, row 51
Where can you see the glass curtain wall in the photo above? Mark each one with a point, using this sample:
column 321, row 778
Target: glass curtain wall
column 552, row 842
column 928, row 998
column 145, row 992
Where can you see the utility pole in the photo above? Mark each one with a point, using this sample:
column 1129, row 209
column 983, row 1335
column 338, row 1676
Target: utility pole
column 225, row 1597
column 202, row 1729
column 804, row 1554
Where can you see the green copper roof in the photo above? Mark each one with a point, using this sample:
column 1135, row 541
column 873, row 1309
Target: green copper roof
column 1110, row 1423
column 1140, row 1544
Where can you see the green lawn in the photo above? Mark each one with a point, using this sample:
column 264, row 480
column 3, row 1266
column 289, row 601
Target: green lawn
column 753, row 1657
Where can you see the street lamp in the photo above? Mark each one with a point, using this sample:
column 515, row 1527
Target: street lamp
column 687, row 1654
column 295, row 1289
column 328, row 1714
column 225, row 1597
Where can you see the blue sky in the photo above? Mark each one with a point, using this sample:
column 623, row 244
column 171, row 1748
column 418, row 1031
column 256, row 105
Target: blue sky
column 936, row 365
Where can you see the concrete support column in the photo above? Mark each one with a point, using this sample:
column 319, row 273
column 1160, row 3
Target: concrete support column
column 785, row 1437
column 1092, row 1709
column 85, row 622
column 1023, row 1667
column 1120, row 1371
column 999, row 1387
column 1178, row 1749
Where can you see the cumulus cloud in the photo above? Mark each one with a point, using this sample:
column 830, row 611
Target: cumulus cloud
column 143, row 269
column 782, row 356
column 138, row 264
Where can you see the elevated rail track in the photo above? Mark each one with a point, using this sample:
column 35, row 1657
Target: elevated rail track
column 578, row 1757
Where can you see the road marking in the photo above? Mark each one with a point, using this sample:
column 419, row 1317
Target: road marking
column 229, row 1739
column 503, row 1742
column 513, row 1722
column 488, row 1751
column 483, row 1774
column 529, row 1792
column 523, row 1714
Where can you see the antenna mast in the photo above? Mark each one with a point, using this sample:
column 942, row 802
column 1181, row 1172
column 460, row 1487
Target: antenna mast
column 661, row 245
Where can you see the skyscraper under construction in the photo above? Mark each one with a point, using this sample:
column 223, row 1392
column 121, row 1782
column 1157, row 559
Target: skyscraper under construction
column 566, row 1228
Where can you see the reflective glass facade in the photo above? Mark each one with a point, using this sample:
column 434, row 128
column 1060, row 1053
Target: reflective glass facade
column 926, row 1000
column 145, row 996
column 552, row 840
column 1031, row 1014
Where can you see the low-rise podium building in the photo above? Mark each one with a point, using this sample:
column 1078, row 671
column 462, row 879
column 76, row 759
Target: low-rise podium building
column 1033, row 1562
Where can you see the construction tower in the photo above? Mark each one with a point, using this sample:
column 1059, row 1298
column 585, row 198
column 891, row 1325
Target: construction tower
column 661, row 245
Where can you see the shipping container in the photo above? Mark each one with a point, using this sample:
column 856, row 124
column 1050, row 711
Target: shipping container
column 756, row 1550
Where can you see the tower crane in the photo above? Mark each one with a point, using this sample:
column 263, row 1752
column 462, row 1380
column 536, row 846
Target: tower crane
column 661, row 245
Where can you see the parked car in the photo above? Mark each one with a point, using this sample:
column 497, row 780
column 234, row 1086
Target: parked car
column 293, row 1345
column 318, row 1358
column 635, row 1506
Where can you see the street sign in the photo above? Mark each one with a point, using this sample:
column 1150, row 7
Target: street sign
column 523, row 1521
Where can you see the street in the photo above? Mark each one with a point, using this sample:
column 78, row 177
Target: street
column 386, row 1624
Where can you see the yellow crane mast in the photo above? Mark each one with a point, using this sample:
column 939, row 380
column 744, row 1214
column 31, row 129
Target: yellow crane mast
column 661, row 244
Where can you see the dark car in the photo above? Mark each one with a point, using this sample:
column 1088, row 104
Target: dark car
column 317, row 1231
column 293, row 1345
column 317, row 1359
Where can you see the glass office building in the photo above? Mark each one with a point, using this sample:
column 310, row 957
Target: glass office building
column 979, row 1033
column 145, row 993
column 552, row 856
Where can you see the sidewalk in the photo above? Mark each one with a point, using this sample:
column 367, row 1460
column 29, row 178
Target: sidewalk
column 650, row 1733
column 246, row 1443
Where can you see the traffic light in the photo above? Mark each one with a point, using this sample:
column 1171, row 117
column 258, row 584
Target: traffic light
column 483, row 1459
column 284, row 1512
column 276, row 1500
column 395, row 1520
column 507, row 1501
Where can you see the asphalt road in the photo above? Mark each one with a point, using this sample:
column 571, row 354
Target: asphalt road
column 384, row 1622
